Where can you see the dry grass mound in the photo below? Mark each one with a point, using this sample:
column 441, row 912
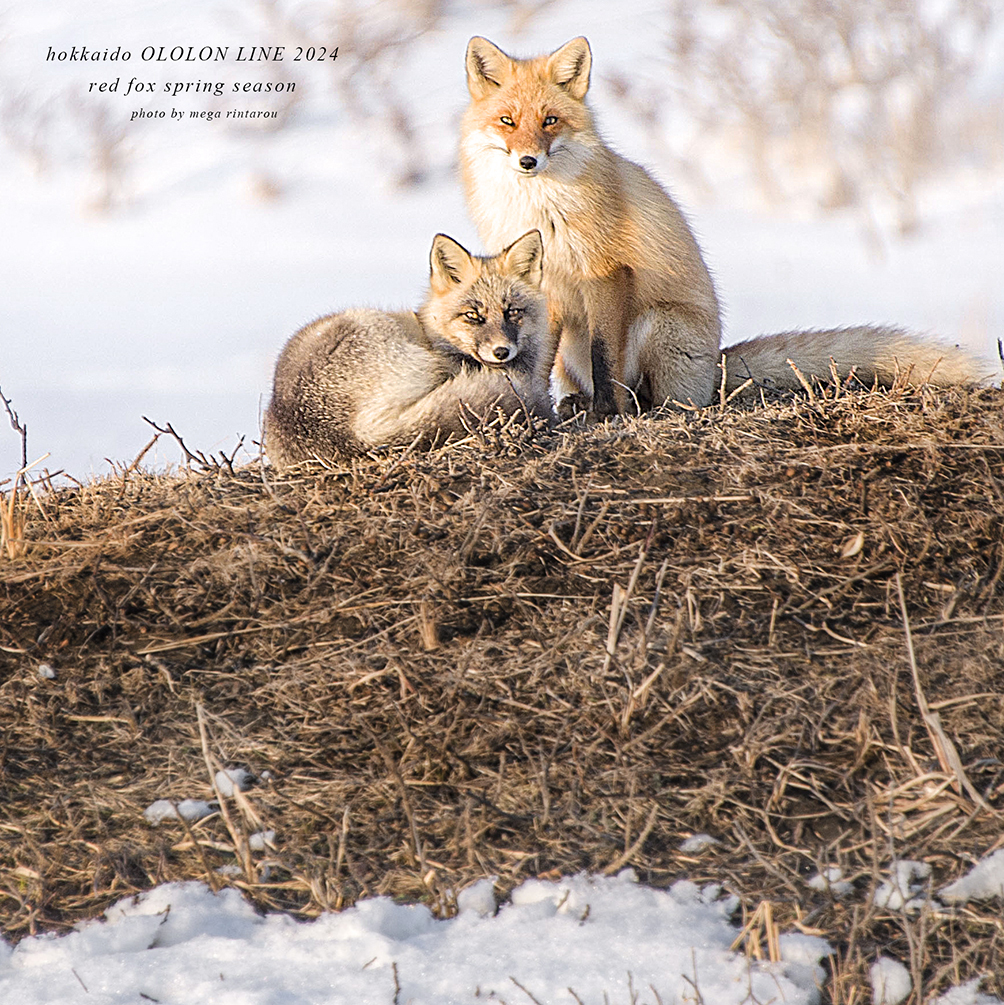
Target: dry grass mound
column 531, row 654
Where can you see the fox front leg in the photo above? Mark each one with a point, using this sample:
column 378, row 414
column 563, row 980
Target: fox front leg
column 572, row 373
column 589, row 371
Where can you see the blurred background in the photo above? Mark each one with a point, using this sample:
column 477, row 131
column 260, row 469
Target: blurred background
column 840, row 162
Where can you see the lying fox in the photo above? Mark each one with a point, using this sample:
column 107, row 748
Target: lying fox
column 630, row 295
column 365, row 378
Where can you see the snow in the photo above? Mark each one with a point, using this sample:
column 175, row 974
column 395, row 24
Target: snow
column 229, row 779
column 478, row 898
column 966, row 994
column 260, row 840
column 984, row 881
column 890, row 981
column 697, row 843
column 188, row 809
column 581, row 936
column 830, row 879
column 904, row 890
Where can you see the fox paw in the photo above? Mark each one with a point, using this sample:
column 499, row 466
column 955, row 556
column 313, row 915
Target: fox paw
column 573, row 404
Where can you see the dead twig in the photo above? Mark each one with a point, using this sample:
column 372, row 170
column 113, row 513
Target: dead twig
column 948, row 756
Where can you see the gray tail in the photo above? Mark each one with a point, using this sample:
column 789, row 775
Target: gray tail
column 874, row 354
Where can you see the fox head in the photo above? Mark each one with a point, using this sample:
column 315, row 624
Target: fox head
column 532, row 111
column 491, row 308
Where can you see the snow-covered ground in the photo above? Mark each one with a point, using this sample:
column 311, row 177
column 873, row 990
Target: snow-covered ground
column 174, row 306
column 581, row 939
column 228, row 237
column 554, row 941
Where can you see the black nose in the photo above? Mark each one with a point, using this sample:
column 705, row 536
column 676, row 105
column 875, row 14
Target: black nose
column 528, row 163
column 501, row 353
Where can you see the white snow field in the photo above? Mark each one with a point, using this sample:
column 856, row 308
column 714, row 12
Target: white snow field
column 580, row 939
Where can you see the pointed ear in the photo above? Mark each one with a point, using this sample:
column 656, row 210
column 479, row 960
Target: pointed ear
column 487, row 66
column 569, row 67
column 450, row 264
column 524, row 258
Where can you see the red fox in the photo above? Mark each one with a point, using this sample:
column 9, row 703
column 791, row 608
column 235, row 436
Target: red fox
column 630, row 296
column 364, row 378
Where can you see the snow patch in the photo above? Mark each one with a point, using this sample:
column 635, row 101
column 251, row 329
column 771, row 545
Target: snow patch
column 260, row 840
column 890, row 981
column 188, row 809
column 479, row 898
column 698, row 843
column 830, row 879
column 904, row 889
column 233, row 778
column 181, row 942
column 984, row 881
column 967, row 994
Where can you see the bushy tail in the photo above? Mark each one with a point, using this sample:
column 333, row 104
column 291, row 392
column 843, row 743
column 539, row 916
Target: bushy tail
column 874, row 353
column 449, row 409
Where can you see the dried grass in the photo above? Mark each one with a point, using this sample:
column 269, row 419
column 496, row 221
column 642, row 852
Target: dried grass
column 532, row 656
column 844, row 104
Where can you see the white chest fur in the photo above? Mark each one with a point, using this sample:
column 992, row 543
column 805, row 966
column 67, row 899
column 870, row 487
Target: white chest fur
column 505, row 203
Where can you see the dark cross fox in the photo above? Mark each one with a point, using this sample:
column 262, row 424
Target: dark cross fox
column 366, row 378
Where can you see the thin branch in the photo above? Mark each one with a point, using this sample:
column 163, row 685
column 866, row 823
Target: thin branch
column 15, row 422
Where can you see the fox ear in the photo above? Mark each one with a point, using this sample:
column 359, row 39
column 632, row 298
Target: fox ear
column 450, row 264
column 487, row 65
column 569, row 67
column 524, row 258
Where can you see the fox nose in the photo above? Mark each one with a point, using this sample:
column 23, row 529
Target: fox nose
column 501, row 352
column 527, row 163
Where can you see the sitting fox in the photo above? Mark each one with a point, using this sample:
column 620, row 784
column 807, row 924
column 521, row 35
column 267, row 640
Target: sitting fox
column 630, row 295
column 365, row 378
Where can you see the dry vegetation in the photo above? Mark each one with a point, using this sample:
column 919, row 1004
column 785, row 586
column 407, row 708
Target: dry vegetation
column 531, row 654
column 845, row 104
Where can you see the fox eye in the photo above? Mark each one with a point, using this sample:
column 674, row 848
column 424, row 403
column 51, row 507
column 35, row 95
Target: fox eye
column 473, row 317
column 550, row 120
column 513, row 314
column 506, row 120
